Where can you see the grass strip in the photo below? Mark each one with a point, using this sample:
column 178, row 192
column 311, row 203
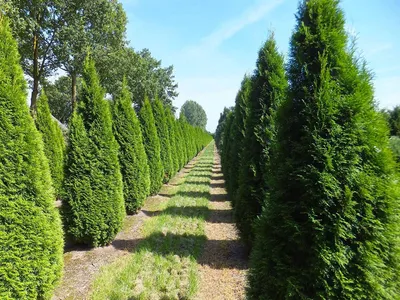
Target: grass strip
column 164, row 265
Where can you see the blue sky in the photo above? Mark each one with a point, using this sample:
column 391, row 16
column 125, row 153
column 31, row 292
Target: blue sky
column 213, row 43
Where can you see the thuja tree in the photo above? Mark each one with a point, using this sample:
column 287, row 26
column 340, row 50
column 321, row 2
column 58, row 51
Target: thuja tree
column 184, row 139
column 93, row 204
column 268, row 89
column 238, row 136
column 132, row 155
column 31, row 243
column 226, row 162
column 152, row 146
column 160, row 120
column 179, row 144
column 219, row 131
column 172, row 138
column 331, row 228
column 53, row 139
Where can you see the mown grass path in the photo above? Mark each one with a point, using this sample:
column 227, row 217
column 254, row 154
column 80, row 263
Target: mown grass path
column 182, row 245
column 164, row 263
column 223, row 264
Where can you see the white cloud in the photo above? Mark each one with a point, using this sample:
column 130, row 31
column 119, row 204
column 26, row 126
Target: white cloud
column 228, row 29
column 218, row 90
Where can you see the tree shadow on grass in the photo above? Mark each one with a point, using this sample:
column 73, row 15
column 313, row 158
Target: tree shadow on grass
column 199, row 176
column 188, row 245
column 217, row 176
column 194, row 194
column 217, row 185
column 219, row 216
column 205, row 181
column 219, row 197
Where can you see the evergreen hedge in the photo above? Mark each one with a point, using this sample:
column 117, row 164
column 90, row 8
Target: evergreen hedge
column 172, row 138
column 93, row 204
column 179, row 144
column 31, row 243
column 53, row 139
column 132, row 155
column 152, row 146
column 160, row 121
column 268, row 90
column 241, row 112
column 331, row 226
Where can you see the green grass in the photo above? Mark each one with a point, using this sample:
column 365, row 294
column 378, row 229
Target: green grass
column 164, row 264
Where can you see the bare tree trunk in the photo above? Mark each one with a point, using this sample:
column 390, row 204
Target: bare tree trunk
column 35, row 75
column 73, row 98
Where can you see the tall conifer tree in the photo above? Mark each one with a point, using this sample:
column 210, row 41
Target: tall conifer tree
column 152, row 146
column 161, row 122
column 268, row 90
column 172, row 138
column 93, row 204
column 53, row 139
column 31, row 245
column 331, row 226
column 132, row 155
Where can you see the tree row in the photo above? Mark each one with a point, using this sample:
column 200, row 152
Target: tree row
column 110, row 158
column 312, row 179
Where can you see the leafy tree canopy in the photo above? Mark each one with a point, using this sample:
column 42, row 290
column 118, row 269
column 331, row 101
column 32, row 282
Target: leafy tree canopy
column 194, row 113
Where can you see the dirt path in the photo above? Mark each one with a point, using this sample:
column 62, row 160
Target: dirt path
column 223, row 264
column 82, row 264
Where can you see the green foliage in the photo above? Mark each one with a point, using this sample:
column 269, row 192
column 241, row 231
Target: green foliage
column 233, row 143
column 101, row 28
column 226, row 146
column 93, row 204
column 31, row 244
column 220, row 130
column 267, row 91
column 53, row 139
column 394, row 121
column 144, row 74
column 160, row 120
column 179, row 144
column 184, row 139
column 59, row 97
column 394, row 143
column 132, row 155
column 330, row 229
column 241, row 113
column 152, row 146
column 35, row 25
column 195, row 114
column 173, row 140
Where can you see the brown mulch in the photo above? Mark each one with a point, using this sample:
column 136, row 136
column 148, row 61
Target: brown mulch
column 224, row 262
column 81, row 264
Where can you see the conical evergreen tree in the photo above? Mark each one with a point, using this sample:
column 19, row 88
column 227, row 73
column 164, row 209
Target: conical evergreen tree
column 132, row 155
column 160, row 120
column 241, row 115
column 184, row 139
column 93, row 205
column 179, row 144
column 226, row 147
column 53, row 139
column 31, row 244
column 172, row 139
column 331, row 228
column 152, row 146
column 268, row 90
